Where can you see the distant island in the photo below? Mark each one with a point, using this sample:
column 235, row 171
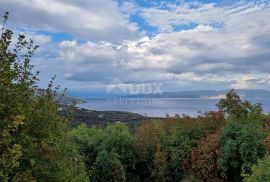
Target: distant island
column 208, row 94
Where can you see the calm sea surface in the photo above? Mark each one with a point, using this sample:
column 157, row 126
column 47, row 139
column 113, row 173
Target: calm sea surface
column 159, row 107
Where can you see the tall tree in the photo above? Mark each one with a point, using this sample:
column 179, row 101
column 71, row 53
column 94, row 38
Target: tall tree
column 34, row 143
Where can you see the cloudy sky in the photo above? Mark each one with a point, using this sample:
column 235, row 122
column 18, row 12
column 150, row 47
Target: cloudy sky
column 182, row 45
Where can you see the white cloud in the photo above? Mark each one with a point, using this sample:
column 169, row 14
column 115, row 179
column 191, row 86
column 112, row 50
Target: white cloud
column 84, row 19
column 234, row 54
column 165, row 19
column 202, row 55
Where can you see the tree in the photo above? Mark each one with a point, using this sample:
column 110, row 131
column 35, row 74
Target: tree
column 89, row 140
column 233, row 106
column 150, row 135
column 204, row 159
column 118, row 139
column 108, row 167
column 164, row 147
column 114, row 140
column 34, row 143
column 160, row 172
column 241, row 146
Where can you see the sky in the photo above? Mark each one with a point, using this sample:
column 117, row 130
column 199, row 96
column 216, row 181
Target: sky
column 177, row 44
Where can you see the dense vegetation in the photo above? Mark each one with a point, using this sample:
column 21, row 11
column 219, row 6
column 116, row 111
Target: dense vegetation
column 34, row 139
column 38, row 144
column 226, row 145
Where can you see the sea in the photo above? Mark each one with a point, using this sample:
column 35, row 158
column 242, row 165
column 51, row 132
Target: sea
column 160, row 107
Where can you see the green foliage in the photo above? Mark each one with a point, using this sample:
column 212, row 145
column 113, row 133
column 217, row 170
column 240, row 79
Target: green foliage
column 118, row 139
column 187, row 136
column 108, row 167
column 233, row 106
column 174, row 149
column 89, row 140
column 114, row 140
column 170, row 142
column 179, row 148
column 148, row 136
column 33, row 136
column 241, row 146
column 260, row 171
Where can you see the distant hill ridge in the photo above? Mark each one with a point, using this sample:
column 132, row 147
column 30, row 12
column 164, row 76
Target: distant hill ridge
column 210, row 94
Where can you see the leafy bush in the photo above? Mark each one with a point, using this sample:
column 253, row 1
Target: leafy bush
column 260, row 171
column 241, row 146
